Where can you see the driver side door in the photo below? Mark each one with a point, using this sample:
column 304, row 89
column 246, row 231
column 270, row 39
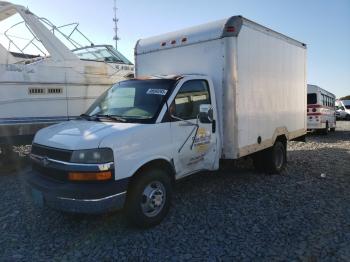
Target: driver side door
column 194, row 143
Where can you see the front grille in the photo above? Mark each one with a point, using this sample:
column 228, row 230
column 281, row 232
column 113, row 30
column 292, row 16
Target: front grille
column 53, row 153
column 51, row 173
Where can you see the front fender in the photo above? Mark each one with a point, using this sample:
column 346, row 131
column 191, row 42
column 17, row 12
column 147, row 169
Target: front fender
column 144, row 162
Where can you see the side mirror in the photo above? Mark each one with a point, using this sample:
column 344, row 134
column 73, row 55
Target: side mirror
column 206, row 114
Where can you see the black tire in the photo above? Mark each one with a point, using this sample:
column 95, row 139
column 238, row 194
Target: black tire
column 332, row 129
column 347, row 117
column 136, row 201
column 275, row 158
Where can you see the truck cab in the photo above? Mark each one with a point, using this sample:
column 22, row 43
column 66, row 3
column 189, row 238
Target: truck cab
column 166, row 124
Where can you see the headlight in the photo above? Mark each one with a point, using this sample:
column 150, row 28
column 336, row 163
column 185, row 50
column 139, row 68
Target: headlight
column 93, row 156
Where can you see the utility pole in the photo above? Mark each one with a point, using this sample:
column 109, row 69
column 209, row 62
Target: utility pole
column 115, row 20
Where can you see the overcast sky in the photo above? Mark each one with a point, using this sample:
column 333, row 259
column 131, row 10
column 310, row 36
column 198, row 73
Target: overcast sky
column 322, row 24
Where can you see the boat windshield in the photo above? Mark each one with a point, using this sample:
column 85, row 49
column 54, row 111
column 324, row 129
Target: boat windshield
column 102, row 53
column 138, row 101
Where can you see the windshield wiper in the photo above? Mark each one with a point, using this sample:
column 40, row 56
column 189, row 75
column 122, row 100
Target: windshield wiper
column 88, row 117
column 112, row 117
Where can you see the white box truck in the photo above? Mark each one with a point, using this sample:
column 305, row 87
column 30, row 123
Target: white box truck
column 222, row 90
column 342, row 109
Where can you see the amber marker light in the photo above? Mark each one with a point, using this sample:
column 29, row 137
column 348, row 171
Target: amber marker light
column 98, row 176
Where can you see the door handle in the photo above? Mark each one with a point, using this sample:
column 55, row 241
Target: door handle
column 213, row 127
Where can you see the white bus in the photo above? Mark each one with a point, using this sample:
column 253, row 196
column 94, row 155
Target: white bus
column 320, row 110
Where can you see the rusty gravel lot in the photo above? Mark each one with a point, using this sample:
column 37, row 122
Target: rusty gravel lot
column 233, row 214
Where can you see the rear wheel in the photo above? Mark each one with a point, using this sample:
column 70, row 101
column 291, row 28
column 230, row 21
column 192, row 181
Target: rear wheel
column 149, row 198
column 274, row 159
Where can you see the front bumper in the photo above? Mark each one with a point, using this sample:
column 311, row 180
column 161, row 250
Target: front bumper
column 67, row 196
column 315, row 125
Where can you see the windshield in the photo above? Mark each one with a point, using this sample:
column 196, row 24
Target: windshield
column 311, row 99
column 133, row 100
column 101, row 53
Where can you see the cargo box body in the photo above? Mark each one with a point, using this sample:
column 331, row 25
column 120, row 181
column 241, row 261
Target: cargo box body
column 259, row 77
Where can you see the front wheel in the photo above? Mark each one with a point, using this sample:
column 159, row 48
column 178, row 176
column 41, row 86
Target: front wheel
column 149, row 198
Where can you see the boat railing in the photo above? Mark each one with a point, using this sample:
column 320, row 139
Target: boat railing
column 55, row 30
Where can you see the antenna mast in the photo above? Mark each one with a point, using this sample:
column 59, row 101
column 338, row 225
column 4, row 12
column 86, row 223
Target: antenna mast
column 115, row 20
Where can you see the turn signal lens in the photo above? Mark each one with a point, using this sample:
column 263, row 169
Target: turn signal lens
column 75, row 176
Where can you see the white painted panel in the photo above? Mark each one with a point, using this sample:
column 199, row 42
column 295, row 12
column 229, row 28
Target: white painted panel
column 271, row 87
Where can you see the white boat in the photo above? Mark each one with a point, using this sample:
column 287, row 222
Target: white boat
column 39, row 90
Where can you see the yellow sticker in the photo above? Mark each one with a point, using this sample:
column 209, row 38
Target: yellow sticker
column 202, row 140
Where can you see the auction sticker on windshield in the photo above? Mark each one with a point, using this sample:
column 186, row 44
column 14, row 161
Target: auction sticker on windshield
column 161, row 92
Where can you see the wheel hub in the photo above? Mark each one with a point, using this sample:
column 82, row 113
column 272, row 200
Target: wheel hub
column 153, row 199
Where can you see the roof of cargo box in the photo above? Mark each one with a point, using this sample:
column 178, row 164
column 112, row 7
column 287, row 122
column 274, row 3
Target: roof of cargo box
column 229, row 27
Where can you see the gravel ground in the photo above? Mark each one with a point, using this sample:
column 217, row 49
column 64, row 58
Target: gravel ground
column 233, row 214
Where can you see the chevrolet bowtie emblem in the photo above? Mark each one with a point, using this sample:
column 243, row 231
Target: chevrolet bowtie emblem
column 45, row 161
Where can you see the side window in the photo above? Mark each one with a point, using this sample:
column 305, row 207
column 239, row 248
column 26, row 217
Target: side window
column 191, row 95
column 323, row 100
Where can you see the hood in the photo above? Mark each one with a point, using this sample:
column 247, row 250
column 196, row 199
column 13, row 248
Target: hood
column 80, row 134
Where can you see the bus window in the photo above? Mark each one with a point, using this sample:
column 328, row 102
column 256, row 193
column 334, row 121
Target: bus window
column 323, row 100
column 311, row 98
